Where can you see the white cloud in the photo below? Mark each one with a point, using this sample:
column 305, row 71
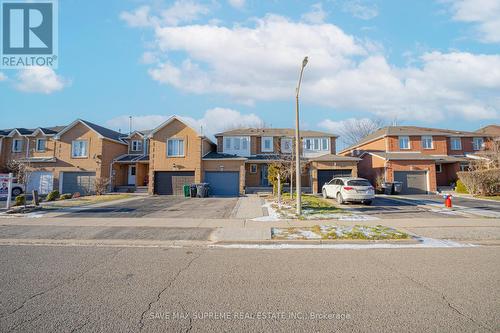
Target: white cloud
column 261, row 63
column 40, row 80
column 316, row 16
column 138, row 18
column 237, row 3
column 360, row 10
column 149, row 58
column 213, row 121
column 3, row 77
column 484, row 13
column 181, row 11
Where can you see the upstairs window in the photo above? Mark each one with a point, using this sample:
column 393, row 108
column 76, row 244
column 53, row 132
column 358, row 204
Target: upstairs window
column 236, row 144
column 286, row 145
column 175, row 147
column 316, row 144
column 17, row 145
column 79, row 148
column 427, row 142
column 456, row 143
column 477, row 143
column 404, row 142
column 267, row 144
column 40, row 144
column 136, row 145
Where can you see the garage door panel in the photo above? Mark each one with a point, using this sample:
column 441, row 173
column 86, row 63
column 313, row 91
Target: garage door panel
column 172, row 182
column 223, row 183
column 414, row 182
column 42, row 181
column 324, row 176
column 81, row 182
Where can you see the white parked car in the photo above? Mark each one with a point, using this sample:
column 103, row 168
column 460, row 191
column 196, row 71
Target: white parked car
column 348, row 189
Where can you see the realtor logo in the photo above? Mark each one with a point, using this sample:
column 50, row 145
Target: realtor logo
column 29, row 33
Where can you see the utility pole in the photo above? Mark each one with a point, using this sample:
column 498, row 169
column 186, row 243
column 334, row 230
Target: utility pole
column 297, row 142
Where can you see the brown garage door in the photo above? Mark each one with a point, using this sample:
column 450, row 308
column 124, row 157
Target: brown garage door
column 172, row 182
column 414, row 182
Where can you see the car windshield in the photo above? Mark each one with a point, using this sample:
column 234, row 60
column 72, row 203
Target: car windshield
column 359, row 182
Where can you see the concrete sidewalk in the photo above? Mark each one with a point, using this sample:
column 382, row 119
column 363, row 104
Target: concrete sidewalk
column 479, row 231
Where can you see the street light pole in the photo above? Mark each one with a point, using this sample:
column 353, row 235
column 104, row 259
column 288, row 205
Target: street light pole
column 297, row 142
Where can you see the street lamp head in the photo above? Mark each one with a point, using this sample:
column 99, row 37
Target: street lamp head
column 304, row 62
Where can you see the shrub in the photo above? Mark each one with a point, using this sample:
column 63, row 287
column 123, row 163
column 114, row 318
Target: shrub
column 460, row 187
column 76, row 195
column 483, row 182
column 65, row 196
column 52, row 195
column 101, row 185
column 20, row 200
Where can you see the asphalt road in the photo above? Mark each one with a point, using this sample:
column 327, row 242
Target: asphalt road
column 465, row 202
column 162, row 206
column 124, row 289
column 387, row 208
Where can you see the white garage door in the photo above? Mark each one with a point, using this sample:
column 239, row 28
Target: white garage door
column 42, row 181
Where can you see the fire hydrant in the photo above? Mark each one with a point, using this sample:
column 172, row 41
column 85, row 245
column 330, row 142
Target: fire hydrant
column 447, row 201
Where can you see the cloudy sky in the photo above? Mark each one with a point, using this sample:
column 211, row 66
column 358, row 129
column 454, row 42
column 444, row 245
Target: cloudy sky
column 232, row 63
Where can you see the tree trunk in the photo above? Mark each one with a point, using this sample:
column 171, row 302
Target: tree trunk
column 279, row 190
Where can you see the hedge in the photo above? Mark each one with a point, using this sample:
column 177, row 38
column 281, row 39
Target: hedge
column 482, row 182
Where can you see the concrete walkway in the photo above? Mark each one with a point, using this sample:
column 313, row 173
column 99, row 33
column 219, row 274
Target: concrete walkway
column 249, row 207
column 477, row 231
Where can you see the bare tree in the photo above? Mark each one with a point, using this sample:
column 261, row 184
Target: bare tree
column 353, row 130
column 22, row 172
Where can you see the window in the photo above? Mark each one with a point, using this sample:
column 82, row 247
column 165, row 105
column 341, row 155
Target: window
column 316, row 144
column 79, row 148
column 427, row 142
column 464, row 166
column 227, row 143
column 17, row 145
column 404, row 142
column 267, row 144
column 439, row 168
column 175, row 147
column 40, row 144
column 359, row 182
column 286, row 145
column 253, row 168
column 237, row 145
column 456, row 143
column 136, row 145
column 324, row 144
column 477, row 143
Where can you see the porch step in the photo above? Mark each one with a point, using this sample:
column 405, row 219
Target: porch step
column 141, row 189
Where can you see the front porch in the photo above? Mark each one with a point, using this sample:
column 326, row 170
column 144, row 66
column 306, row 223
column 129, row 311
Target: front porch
column 130, row 175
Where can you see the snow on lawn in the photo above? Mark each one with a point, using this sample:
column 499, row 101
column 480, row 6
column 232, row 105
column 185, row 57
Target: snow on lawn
column 363, row 232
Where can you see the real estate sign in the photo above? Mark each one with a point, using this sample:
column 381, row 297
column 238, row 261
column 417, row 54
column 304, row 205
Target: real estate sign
column 4, row 185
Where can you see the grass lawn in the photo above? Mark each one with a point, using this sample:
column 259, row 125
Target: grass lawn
column 88, row 200
column 493, row 197
column 356, row 232
column 312, row 206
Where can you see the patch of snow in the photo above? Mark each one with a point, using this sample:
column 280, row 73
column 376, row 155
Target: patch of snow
column 423, row 243
column 273, row 214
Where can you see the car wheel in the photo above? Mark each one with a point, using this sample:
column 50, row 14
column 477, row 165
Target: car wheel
column 324, row 194
column 340, row 199
column 16, row 191
column 367, row 202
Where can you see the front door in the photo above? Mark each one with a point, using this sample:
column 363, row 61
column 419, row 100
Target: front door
column 131, row 174
column 263, row 175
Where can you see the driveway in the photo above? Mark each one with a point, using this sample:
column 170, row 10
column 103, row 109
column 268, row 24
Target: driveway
column 163, row 207
column 458, row 201
column 394, row 208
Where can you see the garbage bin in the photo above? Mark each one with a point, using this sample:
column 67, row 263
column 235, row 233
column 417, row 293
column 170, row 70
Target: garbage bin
column 187, row 190
column 387, row 186
column 397, row 187
column 202, row 190
column 206, row 190
column 192, row 189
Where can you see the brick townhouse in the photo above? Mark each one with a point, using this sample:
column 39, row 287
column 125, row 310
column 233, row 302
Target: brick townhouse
column 423, row 159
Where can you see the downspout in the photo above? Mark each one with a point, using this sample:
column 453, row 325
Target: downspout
column 111, row 176
column 27, row 148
